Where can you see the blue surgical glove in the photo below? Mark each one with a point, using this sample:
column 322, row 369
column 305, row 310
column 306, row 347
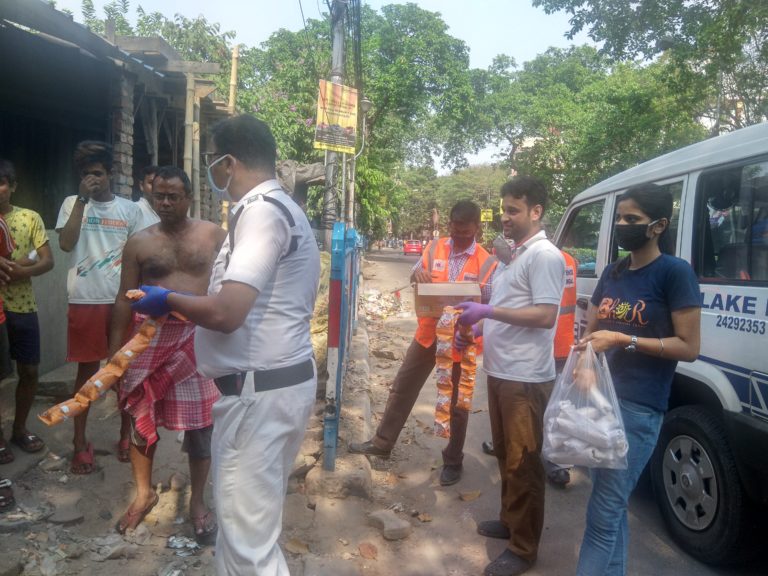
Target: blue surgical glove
column 473, row 312
column 460, row 341
column 154, row 302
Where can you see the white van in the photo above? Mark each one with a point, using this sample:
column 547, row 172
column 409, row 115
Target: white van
column 711, row 463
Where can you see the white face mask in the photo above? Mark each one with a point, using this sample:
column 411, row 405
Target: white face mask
column 222, row 193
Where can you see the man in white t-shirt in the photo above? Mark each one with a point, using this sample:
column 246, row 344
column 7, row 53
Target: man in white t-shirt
column 93, row 226
column 253, row 339
column 519, row 328
column 145, row 201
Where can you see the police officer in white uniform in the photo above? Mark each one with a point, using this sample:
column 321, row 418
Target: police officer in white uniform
column 253, row 338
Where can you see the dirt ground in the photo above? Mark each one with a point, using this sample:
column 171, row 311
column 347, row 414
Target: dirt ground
column 65, row 523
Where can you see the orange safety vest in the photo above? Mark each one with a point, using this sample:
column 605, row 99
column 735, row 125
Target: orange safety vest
column 477, row 268
column 566, row 318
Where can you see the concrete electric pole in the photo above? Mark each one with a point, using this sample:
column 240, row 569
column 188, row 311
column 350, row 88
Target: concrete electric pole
column 330, row 198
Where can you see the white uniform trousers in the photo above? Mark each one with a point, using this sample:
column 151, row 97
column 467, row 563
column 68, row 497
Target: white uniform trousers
column 256, row 437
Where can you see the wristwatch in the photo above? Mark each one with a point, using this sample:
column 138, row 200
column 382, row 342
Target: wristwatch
column 632, row 347
column 83, row 199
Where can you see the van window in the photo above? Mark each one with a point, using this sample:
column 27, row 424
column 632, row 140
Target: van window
column 581, row 236
column 732, row 219
column 676, row 189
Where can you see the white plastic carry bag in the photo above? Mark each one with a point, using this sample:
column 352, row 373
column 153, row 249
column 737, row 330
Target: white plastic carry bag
column 582, row 422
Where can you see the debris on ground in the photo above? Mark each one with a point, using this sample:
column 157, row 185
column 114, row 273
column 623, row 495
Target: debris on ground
column 183, row 546
column 391, row 527
column 380, row 305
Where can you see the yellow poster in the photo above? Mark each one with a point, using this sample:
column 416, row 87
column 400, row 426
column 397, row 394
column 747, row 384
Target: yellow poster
column 336, row 127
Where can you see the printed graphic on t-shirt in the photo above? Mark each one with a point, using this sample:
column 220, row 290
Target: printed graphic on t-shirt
column 28, row 233
column 622, row 311
column 105, row 225
column 108, row 264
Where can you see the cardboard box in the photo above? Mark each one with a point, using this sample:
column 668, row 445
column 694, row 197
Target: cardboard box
column 431, row 298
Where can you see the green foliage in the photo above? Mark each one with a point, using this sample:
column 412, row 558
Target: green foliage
column 572, row 117
column 279, row 82
column 379, row 196
column 193, row 38
column 427, row 191
column 719, row 47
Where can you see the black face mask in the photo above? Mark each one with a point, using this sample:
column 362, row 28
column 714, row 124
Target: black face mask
column 632, row 236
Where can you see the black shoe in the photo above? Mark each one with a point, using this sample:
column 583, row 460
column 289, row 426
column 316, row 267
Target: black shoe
column 368, row 448
column 493, row 529
column 559, row 477
column 508, row 564
column 488, row 448
column 451, row 474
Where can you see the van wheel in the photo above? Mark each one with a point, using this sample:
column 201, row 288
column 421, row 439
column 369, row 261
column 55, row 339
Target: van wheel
column 697, row 486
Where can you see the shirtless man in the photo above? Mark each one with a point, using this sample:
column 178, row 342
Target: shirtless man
column 177, row 253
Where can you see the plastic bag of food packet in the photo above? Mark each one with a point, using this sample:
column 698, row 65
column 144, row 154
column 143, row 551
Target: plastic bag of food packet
column 582, row 422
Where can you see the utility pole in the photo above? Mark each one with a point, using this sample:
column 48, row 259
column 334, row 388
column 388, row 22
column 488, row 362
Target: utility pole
column 233, row 80
column 330, row 198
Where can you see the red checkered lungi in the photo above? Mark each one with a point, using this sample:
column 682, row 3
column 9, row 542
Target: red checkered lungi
column 162, row 386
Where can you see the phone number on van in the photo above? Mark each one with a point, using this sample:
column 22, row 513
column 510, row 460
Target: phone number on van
column 741, row 324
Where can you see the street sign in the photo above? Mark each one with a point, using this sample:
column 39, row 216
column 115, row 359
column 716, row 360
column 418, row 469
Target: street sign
column 486, row 215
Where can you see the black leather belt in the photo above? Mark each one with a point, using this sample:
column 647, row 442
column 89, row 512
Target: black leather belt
column 263, row 380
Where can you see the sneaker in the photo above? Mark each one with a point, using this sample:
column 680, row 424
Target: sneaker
column 450, row 474
column 493, row 529
column 507, row 564
column 368, row 448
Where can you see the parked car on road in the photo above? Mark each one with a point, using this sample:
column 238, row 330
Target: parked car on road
column 710, row 468
column 412, row 247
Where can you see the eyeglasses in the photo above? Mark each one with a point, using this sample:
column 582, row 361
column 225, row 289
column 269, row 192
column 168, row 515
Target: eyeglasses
column 171, row 198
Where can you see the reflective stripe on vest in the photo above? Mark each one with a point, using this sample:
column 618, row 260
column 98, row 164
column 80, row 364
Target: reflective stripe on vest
column 431, row 254
column 486, row 269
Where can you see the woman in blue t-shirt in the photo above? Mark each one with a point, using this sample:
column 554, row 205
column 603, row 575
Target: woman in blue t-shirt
column 645, row 315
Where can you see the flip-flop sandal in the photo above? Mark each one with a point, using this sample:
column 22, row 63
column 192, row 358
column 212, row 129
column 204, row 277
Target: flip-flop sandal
column 205, row 528
column 28, row 442
column 83, row 458
column 124, row 450
column 130, row 520
column 6, row 495
column 6, row 456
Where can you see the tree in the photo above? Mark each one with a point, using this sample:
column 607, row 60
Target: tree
column 414, row 72
column 717, row 46
column 418, row 77
column 572, row 117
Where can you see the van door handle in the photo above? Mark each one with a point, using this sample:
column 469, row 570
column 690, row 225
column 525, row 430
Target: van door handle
column 582, row 303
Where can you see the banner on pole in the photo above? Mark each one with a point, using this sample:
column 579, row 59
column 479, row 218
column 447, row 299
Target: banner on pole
column 336, row 126
column 486, row 215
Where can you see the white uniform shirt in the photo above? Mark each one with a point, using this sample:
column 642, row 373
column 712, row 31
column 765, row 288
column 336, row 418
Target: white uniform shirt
column 275, row 333
column 95, row 261
column 536, row 275
column 149, row 214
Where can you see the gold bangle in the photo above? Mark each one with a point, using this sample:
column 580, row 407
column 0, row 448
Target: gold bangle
column 661, row 352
